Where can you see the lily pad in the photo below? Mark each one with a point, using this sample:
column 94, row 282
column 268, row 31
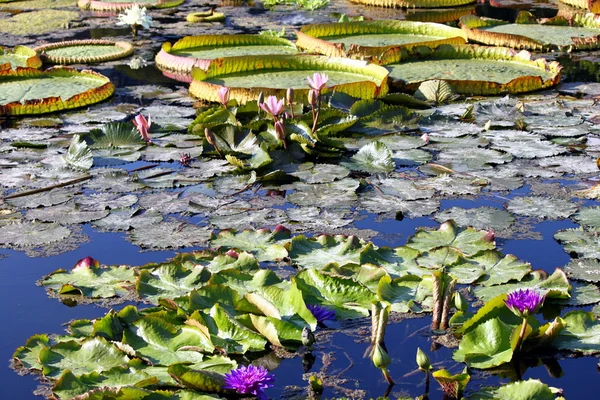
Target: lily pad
column 29, row 91
column 582, row 333
column 91, row 282
column 120, row 5
column 84, row 51
column 247, row 76
column 489, row 345
column 31, row 234
column 581, row 242
column 522, row 390
column 411, row 4
column 199, row 51
column 479, row 217
column 372, row 38
column 541, row 207
column 19, row 56
column 585, row 269
column 471, row 69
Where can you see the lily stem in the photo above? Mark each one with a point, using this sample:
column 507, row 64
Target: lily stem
column 522, row 334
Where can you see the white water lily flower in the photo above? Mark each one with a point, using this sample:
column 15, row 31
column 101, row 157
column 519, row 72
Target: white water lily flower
column 135, row 16
column 137, row 62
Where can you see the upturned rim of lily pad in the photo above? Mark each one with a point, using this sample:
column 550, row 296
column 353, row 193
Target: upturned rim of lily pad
column 366, row 89
column 415, row 3
column 98, row 5
column 169, row 62
column 520, row 84
column 314, row 37
column 472, row 25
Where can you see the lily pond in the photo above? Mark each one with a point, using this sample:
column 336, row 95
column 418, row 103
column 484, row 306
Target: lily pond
column 299, row 199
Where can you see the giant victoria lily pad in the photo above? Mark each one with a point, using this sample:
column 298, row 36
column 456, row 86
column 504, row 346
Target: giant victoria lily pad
column 415, row 3
column 30, row 91
column 471, row 69
column 556, row 33
column 84, row 51
column 591, row 5
column 19, row 56
column 199, row 51
column 372, row 38
column 120, row 5
column 248, row 76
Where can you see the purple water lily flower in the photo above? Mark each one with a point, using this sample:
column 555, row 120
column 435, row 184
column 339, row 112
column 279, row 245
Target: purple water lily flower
column 249, row 380
column 524, row 302
column 321, row 313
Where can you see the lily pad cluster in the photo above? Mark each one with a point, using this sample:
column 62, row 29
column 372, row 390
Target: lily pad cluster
column 207, row 308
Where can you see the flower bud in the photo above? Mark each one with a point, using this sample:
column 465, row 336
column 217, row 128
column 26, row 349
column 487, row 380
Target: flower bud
column 380, row 357
column 425, row 138
column 308, row 338
column 86, row 263
column 232, row 253
column 423, row 361
column 280, row 130
column 289, row 96
column 313, row 97
column 210, row 137
column 460, row 303
column 490, row 236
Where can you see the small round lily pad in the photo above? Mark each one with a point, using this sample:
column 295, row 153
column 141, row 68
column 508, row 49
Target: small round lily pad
column 84, row 51
column 205, row 16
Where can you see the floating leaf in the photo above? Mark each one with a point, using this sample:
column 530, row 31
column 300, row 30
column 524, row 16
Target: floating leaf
column 583, row 243
column 325, row 250
column 264, row 244
column 92, row 281
column 541, row 207
column 91, row 355
column 349, row 298
column 30, row 234
column 79, row 155
column 373, row 157
column 489, row 345
column 479, row 218
column 467, row 241
column 522, row 390
column 581, row 334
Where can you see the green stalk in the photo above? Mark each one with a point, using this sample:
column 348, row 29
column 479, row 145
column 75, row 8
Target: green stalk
column 521, row 334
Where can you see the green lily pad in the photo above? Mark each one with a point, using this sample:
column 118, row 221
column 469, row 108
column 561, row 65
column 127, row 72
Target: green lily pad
column 31, row 234
column 349, row 298
column 84, row 51
column 479, row 218
column 247, row 76
column 30, row 91
column 372, row 38
column 325, row 250
column 164, row 343
column 467, row 241
column 91, row 282
column 588, row 217
column 373, row 157
column 523, row 390
column 555, row 286
column 541, row 207
column 471, row 69
column 489, row 345
column 582, row 242
column 585, row 269
column 198, row 51
column 91, row 355
column 264, row 244
column 582, row 333
column 532, row 35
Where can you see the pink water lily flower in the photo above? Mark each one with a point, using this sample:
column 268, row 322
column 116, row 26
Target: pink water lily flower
column 223, row 94
column 143, row 126
column 318, row 81
column 272, row 106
